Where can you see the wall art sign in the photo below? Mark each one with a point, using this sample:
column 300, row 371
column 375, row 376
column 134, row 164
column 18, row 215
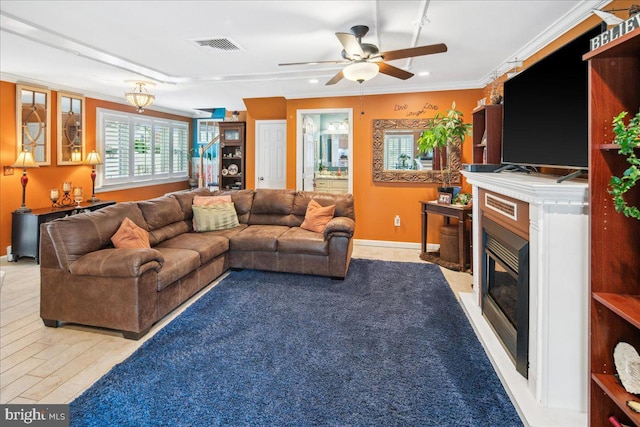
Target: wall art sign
column 615, row 32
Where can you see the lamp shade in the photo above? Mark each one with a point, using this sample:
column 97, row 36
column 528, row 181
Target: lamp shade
column 25, row 160
column 360, row 71
column 94, row 158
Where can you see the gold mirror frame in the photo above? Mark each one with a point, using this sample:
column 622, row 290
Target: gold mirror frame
column 379, row 127
column 71, row 125
column 33, row 122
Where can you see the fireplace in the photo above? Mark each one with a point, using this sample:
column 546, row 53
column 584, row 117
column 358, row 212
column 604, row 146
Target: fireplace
column 505, row 289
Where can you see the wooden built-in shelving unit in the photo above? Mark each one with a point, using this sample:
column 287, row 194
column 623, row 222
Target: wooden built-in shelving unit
column 614, row 86
column 487, row 134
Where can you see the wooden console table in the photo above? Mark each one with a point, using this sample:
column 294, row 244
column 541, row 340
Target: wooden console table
column 25, row 227
column 448, row 211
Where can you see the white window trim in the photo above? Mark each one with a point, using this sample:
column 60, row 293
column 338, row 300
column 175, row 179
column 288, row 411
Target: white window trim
column 133, row 181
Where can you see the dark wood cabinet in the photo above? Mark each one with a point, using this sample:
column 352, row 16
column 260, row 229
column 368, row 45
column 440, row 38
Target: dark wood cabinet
column 487, row 134
column 614, row 86
column 232, row 156
column 25, row 227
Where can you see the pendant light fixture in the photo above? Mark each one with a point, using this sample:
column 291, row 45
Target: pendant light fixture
column 139, row 97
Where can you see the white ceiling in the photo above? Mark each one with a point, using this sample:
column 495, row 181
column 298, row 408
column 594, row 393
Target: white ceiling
column 95, row 47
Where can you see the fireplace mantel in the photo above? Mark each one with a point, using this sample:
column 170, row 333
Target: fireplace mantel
column 558, row 373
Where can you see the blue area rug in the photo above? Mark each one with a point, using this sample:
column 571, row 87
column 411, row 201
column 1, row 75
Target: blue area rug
column 388, row 346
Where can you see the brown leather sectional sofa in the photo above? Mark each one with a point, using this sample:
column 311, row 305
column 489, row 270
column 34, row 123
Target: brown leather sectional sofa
column 85, row 280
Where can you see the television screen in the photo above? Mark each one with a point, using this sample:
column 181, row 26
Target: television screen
column 546, row 110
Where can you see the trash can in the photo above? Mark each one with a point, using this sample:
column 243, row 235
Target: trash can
column 449, row 244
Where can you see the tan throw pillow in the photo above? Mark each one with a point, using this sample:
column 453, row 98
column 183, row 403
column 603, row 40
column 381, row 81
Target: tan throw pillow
column 214, row 217
column 208, row 201
column 129, row 235
column 317, row 217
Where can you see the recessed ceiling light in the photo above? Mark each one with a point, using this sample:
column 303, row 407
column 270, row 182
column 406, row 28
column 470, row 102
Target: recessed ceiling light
column 314, row 81
column 424, row 73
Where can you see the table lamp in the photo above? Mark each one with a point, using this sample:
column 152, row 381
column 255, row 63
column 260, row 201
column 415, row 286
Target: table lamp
column 93, row 159
column 25, row 160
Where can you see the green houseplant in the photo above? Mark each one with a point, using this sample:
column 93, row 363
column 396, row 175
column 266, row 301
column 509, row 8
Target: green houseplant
column 444, row 133
column 628, row 138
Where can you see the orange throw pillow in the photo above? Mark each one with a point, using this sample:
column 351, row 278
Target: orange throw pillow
column 129, row 235
column 317, row 216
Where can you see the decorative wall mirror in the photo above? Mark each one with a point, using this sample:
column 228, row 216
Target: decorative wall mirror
column 71, row 148
column 33, row 117
column 396, row 157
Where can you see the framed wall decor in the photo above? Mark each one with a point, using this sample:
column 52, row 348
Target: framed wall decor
column 33, row 122
column 71, row 117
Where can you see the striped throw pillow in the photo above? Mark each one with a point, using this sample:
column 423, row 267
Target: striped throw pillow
column 215, row 217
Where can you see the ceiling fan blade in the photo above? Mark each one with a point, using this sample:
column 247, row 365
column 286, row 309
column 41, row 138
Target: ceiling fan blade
column 392, row 71
column 335, row 79
column 315, row 63
column 414, row 51
column 350, row 44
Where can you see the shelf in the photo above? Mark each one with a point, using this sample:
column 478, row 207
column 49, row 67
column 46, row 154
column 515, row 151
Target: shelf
column 627, row 45
column 610, row 385
column 625, row 306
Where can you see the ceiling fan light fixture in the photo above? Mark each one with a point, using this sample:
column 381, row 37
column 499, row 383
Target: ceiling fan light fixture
column 139, row 97
column 360, row 71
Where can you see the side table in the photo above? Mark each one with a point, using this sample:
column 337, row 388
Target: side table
column 448, row 211
column 25, row 227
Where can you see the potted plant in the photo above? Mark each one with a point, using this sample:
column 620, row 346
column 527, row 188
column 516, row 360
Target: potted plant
column 628, row 138
column 446, row 131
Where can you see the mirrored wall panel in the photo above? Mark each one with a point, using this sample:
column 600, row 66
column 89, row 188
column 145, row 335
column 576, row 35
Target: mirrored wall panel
column 71, row 148
column 33, row 116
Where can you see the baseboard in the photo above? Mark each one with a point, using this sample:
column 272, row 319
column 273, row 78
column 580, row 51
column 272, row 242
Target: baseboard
column 391, row 244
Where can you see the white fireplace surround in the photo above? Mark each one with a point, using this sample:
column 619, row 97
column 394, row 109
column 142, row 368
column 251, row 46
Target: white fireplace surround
column 555, row 392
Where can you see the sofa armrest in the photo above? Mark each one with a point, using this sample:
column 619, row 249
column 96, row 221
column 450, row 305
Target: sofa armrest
column 117, row 263
column 339, row 226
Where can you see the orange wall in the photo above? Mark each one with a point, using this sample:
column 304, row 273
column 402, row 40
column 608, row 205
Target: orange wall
column 376, row 203
column 42, row 179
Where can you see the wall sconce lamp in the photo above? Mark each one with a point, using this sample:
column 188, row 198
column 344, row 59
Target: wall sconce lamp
column 93, row 159
column 139, row 97
column 24, row 161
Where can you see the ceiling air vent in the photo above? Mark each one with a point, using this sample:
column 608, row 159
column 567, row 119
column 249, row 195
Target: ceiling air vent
column 221, row 44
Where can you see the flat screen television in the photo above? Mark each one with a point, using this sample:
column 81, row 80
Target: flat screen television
column 546, row 110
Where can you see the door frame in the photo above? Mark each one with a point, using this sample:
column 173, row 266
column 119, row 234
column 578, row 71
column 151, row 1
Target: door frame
column 299, row 142
column 257, row 122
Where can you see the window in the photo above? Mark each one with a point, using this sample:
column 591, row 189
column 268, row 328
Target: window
column 138, row 150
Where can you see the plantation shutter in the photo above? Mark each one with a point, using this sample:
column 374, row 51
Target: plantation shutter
column 180, row 150
column 116, row 147
column 143, row 154
column 161, row 149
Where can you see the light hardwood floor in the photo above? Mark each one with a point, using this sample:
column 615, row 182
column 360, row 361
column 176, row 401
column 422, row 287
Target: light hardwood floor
column 47, row 365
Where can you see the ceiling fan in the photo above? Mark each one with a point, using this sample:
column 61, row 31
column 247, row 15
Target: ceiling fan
column 365, row 60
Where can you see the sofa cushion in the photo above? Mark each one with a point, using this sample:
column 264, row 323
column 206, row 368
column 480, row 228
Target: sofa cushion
column 257, row 238
column 242, row 200
column 215, row 217
column 77, row 235
column 177, row 264
column 343, row 202
column 207, row 245
column 300, row 241
column 129, row 235
column 161, row 211
column 208, row 201
column 272, row 207
column 185, row 199
column 317, row 216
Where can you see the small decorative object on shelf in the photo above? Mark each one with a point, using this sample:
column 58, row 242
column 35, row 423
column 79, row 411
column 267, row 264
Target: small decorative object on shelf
column 66, row 198
column 462, row 199
column 444, row 198
column 77, row 195
column 627, row 363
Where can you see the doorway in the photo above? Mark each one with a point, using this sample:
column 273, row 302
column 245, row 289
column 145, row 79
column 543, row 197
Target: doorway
column 271, row 154
column 324, row 147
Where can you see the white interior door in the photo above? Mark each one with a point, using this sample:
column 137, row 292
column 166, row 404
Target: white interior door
column 271, row 154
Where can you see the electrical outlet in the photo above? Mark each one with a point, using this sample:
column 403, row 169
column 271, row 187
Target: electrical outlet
column 8, row 170
column 396, row 221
